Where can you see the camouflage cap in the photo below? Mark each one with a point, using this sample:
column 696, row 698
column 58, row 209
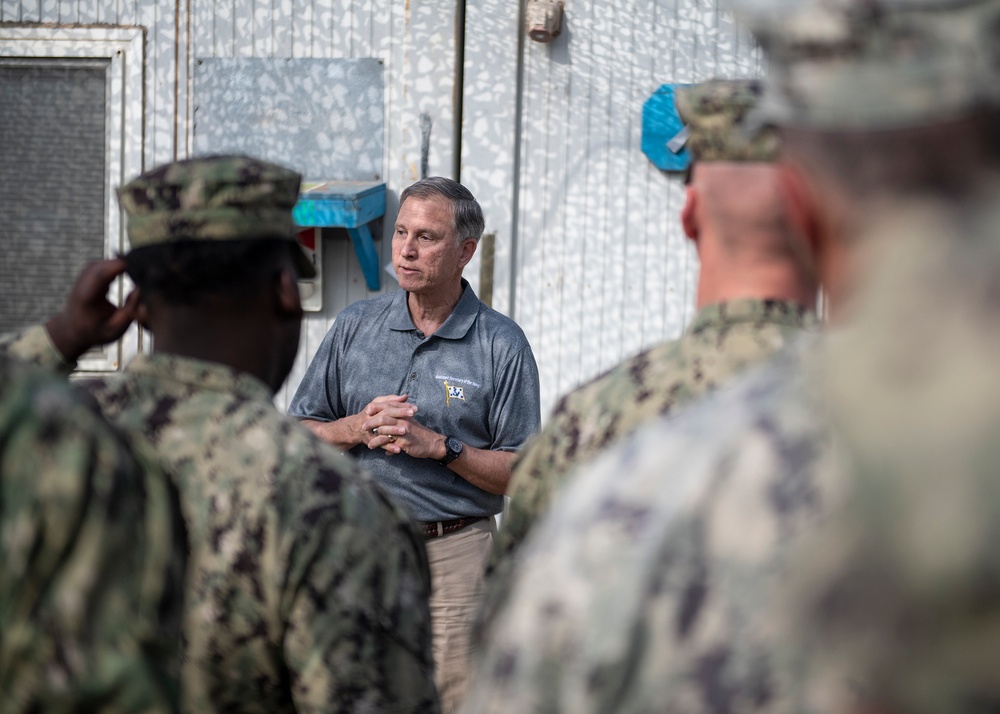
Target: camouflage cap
column 714, row 114
column 874, row 64
column 213, row 198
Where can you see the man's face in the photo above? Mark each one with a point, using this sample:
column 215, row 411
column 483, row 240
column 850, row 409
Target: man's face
column 426, row 253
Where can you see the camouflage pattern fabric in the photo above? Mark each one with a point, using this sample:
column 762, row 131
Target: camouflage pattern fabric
column 34, row 346
column 92, row 557
column 213, row 198
column 899, row 594
column 715, row 114
column 649, row 586
column 872, row 65
column 307, row 587
column 722, row 341
column 642, row 588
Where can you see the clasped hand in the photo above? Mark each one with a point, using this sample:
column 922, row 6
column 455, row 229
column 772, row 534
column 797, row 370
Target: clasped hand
column 388, row 423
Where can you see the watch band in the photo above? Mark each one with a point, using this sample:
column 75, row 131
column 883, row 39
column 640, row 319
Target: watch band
column 453, row 448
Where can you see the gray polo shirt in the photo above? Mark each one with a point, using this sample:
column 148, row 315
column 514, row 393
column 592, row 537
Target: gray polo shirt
column 474, row 379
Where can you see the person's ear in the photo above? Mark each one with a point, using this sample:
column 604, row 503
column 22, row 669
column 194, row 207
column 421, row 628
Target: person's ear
column 689, row 214
column 468, row 250
column 801, row 205
column 142, row 314
column 286, row 290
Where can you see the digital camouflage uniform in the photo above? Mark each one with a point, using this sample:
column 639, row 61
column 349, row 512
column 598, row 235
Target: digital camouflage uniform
column 615, row 607
column 92, row 555
column 899, row 593
column 307, row 588
column 34, row 346
column 650, row 585
column 722, row 341
column 296, row 600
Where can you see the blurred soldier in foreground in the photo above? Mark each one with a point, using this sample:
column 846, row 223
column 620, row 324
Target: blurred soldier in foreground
column 92, row 546
column 756, row 290
column 307, row 588
column 899, row 592
column 647, row 588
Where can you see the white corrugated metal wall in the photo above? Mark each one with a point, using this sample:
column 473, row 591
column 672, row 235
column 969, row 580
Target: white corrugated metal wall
column 590, row 259
column 415, row 40
column 596, row 266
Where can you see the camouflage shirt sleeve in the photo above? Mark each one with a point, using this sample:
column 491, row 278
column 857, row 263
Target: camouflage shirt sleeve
column 33, row 345
column 93, row 553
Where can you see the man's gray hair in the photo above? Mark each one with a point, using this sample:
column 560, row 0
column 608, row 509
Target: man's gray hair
column 467, row 215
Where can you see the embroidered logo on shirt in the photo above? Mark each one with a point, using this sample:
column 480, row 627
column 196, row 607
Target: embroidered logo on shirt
column 453, row 393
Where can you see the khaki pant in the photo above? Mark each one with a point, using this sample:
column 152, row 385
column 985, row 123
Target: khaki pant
column 457, row 561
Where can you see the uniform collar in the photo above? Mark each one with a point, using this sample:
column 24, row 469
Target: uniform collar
column 211, row 376
column 454, row 328
column 783, row 312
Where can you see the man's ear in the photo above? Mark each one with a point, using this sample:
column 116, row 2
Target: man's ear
column 689, row 217
column 468, row 250
column 803, row 210
column 286, row 291
column 142, row 314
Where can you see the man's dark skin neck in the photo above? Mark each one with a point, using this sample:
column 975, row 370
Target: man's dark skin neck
column 249, row 334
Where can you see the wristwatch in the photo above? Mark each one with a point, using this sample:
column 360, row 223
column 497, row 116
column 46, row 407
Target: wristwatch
column 453, row 447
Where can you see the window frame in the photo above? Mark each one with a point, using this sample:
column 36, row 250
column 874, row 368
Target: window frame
column 124, row 127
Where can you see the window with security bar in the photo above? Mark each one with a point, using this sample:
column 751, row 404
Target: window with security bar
column 52, row 181
column 70, row 133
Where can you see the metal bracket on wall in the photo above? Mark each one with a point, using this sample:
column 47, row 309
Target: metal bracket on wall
column 346, row 204
column 543, row 19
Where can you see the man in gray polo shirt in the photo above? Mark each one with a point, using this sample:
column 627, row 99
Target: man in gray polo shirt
column 434, row 392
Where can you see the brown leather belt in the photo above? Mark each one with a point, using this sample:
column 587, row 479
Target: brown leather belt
column 434, row 529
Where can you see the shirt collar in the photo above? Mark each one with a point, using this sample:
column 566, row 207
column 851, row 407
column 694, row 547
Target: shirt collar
column 783, row 312
column 454, row 328
column 212, row 376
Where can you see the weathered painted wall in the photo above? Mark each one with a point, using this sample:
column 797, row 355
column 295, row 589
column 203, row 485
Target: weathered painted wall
column 416, row 42
column 590, row 259
column 415, row 39
column 595, row 266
